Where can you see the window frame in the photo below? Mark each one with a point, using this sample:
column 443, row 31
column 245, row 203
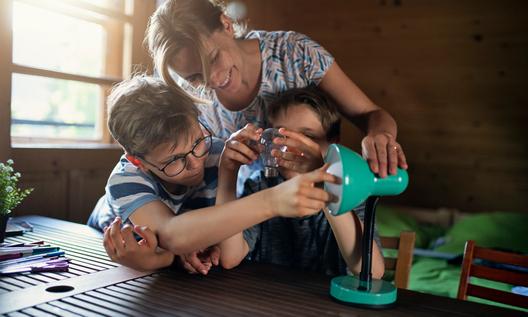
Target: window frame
column 122, row 53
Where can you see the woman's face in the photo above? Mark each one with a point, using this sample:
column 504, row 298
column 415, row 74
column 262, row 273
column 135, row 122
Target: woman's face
column 226, row 64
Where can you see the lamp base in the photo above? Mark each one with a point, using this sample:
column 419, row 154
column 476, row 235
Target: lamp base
column 350, row 290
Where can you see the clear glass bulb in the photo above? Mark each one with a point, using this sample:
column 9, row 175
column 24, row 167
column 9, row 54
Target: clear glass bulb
column 267, row 145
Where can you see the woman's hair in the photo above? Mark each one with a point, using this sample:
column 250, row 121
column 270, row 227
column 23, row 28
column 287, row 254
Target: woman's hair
column 144, row 112
column 178, row 24
column 320, row 103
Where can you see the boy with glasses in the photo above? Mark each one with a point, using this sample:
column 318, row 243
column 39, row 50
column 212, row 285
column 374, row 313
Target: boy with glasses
column 164, row 186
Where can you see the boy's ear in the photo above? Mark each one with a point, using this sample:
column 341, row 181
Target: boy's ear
column 134, row 160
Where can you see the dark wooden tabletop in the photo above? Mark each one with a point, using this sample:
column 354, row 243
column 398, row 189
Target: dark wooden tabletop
column 97, row 287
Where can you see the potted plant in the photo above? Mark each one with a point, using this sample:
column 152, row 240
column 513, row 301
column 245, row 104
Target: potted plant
column 10, row 194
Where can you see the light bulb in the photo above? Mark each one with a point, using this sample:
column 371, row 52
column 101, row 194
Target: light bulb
column 267, row 145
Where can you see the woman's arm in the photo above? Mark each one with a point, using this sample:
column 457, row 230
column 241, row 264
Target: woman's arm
column 379, row 146
column 348, row 231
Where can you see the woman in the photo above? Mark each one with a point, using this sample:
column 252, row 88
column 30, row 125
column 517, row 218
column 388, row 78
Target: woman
column 197, row 47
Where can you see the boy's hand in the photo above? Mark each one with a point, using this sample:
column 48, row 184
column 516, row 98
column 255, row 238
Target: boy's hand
column 303, row 155
column 237, row 150
column 122, row 247
column 383, row 154
column 202, row 261
column 299, row 197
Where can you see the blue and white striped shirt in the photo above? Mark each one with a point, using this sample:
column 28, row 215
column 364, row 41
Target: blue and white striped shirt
column 129, row 188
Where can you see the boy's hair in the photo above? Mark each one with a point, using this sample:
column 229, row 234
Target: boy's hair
column 320, row 103
column 143, row 112
column 179, row 24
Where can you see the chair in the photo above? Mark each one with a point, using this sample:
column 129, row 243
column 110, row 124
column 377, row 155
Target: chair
column 504, row 275
column 402, row 264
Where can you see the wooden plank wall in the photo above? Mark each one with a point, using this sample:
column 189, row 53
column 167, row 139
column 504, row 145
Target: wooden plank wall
column 67, row 182
column 453, row 75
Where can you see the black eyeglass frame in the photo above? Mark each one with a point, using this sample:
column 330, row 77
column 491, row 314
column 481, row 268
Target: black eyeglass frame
column 184, row 156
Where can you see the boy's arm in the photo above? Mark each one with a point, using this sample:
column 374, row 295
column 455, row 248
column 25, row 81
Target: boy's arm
column 201, row 228
column 348, row 231
column 235, row 248
column 122, row 247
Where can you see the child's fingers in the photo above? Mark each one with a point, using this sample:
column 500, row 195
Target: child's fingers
column 117, row 238
column 291, row 144
column 239, row 147
column 249, row 132
column 148, row 235
column 320, row 175
column 128, row 236
column 188, row 267
column 288, row 156
column 296, row 135
column 108, row 245
column 237, row 157
column 196, row 263
column 215, row 254
column 312, row 205
column 317, row 194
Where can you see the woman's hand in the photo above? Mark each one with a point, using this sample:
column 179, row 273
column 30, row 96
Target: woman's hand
column 237, row 150
column 302, row 155
column 383, row 153
column 122, row 247
column 200, row 261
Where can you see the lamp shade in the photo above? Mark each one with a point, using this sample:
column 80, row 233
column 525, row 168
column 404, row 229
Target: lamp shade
column 358, row 182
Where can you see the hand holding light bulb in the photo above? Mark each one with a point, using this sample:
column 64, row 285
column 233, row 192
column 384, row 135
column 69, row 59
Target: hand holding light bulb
column 301, row 154
column 238, row 149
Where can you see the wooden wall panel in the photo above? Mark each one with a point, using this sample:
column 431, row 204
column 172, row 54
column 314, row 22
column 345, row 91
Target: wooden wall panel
column 85, row 188
column 453, row 75
column 67, row 182
column 47, row 198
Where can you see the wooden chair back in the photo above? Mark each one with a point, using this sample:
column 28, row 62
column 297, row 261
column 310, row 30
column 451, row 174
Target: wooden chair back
column 401, row 265
column 504, row 275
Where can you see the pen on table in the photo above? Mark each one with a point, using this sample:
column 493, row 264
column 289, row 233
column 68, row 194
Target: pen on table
column 31, row 257
column 52, row 260
column 22, row 244
column 20, row 254
column 50, row 266
column 27, row 250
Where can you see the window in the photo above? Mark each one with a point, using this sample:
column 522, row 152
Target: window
column 66, row 55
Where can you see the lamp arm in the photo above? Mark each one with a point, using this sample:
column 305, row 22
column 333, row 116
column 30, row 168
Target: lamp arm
column 365, row 276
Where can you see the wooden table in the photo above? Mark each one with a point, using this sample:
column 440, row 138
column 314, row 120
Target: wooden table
column 97, row 287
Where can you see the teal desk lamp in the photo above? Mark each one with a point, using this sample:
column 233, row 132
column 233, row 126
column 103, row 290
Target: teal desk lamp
column 358, row 184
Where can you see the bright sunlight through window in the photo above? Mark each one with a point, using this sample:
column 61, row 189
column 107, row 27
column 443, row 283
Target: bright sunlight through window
column 66, row 55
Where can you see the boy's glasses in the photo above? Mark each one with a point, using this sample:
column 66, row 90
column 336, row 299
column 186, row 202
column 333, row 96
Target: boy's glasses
column 178, row 163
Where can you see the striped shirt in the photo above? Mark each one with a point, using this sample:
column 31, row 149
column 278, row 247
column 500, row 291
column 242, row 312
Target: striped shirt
column 129, row 188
